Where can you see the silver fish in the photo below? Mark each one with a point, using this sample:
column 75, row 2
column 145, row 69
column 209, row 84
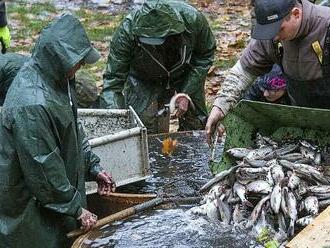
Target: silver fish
column 224, row 210
column 240, row 191
column 260, row 224
column 238, row 152
column 294, row 181
column 302, row 188
column 275, row 198
column 256, row 211
column 305, row 221
column 277, row 173
column 256, row 163
column 270, row 141
column 260, row 142
column 292, row 211
column 286, row 149
column 281, row 221
column 308, row 152
column 259, row 186
column 324, row 203
column 216, row 190
column 311, row 205
column 259, row 153
column 322, row 196
column 292, row 157
column 322, row 189
column 305, row 170
column 284, row 198
column 251, row 170
column 217, row 178
column 237, row 215
column 317, row 158
column 212, row 211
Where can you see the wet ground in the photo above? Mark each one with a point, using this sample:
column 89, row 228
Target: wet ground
column 180, row 174
column 116, row 6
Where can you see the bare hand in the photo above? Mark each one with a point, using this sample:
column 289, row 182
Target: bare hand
column 105, row 183
column 182, row 105
column 87, row 220
column 215, row 116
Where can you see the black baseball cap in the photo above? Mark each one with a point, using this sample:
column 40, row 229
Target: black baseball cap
column 270, row 15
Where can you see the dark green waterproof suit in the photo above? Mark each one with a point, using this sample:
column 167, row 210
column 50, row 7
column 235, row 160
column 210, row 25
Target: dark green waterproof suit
column 10, row 63
column 148, row 74
column 42, row 158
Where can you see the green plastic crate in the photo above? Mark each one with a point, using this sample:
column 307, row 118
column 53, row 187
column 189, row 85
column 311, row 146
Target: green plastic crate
column 274, row 120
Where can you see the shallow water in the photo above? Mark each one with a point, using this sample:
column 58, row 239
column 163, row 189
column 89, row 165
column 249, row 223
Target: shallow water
column 181, row 174
column 169, row 228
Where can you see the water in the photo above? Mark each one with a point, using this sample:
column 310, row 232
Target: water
column 181, row 174
column 169, row 228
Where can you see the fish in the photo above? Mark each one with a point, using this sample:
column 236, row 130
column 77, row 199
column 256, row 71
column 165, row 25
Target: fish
column 277, row 173
column 256, row 211
column 238, row 153
column 217, row 178
column 305, row 221
column 240, row 191
column 306, row 170
column 324, row 203
column 275, row 198
column 311, row 205
column 237, row 215
column 211, row 209
column 291, row 157
column 321, row 189
column 270, row 142
column 286, row 149
column 259, row 186
column 292, row 211
column 224, row 210
column 294, row 181
column 261, row 223
column 259, row 153
column 256, row 163
column 281, row 222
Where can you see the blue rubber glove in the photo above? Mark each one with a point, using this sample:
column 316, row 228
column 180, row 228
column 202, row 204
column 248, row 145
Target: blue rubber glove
column 5, row 38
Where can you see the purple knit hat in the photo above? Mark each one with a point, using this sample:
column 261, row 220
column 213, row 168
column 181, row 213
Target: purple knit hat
column 276, row 83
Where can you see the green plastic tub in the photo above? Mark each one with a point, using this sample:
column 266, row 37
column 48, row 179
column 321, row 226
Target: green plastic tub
column 274, row 120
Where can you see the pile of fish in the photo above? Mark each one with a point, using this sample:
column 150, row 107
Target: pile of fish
column 278, row 185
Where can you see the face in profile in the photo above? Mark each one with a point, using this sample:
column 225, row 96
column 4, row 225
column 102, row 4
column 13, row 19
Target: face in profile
column 273, row 95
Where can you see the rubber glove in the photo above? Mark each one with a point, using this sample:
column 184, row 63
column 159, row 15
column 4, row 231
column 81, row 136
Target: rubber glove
column 5, row 38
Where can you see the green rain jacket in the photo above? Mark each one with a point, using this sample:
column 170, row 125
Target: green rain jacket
column 10, row 63
column 42, row 161
column 130, row 66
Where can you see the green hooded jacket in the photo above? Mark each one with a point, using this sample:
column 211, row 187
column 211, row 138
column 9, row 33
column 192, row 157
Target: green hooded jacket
column 42, row 162
column 131, row 68
column 10, row 63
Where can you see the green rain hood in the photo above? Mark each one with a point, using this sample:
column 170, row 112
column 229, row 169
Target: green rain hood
column 132, row 71
column 42, row 161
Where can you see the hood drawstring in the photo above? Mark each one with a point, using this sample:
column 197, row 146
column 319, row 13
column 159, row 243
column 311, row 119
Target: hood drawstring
column 69, row 92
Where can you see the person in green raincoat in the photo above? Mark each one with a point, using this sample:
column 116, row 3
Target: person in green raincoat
column 10, row 63
column 44, row 157
column 85, row 87
column 159, row 49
